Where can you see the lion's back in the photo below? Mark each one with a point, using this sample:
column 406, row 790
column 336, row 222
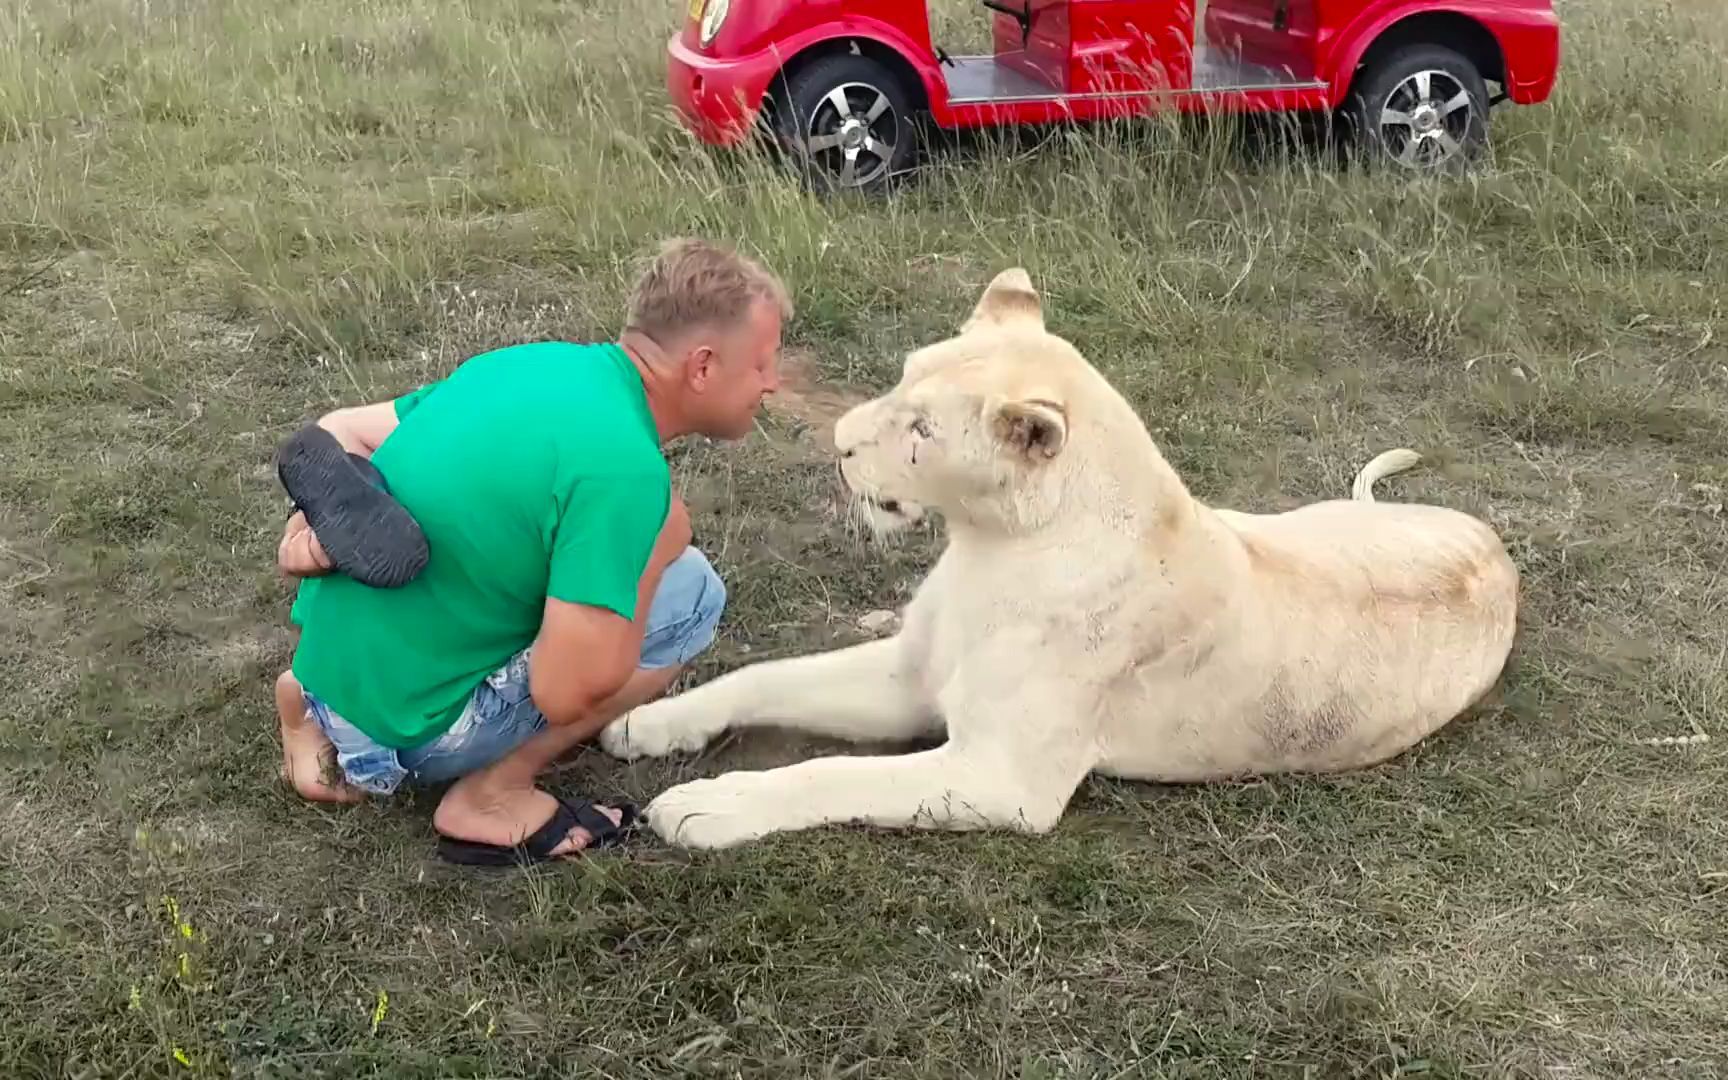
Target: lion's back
column 1357, row 629
column 1397, row 618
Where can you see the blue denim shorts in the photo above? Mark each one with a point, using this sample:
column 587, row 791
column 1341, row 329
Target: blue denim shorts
column 500, row 715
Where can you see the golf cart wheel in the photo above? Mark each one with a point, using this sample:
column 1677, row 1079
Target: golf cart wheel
column 1421, row 107
column 846, row 121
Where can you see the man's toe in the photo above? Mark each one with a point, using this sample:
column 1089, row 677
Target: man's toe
column 579, row 838
column 574, row 841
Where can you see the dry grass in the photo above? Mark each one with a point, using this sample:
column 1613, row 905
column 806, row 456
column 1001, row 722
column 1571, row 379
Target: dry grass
column 218, row 217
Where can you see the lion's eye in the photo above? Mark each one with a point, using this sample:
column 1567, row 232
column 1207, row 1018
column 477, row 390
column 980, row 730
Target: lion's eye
column 921, row 428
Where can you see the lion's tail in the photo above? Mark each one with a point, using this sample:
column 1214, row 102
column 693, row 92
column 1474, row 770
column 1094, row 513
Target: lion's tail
column 1387, row 464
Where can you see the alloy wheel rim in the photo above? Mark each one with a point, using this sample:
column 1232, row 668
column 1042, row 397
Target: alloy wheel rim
column 1425, row 119
column 855, row 123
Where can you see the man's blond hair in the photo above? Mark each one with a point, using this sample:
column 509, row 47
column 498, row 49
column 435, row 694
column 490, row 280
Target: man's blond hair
column 693, row 283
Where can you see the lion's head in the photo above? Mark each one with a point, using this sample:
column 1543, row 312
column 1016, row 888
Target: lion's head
column 979, row 427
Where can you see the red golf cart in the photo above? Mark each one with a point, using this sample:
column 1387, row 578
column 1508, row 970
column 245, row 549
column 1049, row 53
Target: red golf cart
column 844, row 84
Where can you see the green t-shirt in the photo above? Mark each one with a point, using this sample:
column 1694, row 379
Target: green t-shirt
column 534, row 471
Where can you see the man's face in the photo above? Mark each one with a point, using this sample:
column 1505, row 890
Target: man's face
column 732, row 370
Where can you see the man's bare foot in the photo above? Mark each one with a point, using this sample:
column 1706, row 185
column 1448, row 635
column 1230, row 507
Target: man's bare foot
column 480, row 813
column 306, row 752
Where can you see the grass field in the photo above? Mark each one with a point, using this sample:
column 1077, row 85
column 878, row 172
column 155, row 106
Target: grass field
column 220, row 217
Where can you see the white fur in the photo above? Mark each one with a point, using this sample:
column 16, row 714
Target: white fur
column 1387, row 464
column 1089, row 614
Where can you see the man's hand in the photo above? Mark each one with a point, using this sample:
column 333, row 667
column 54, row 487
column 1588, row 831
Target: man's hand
column 299, row 554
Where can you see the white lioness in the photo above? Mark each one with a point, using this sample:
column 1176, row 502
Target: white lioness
column 1088, row 613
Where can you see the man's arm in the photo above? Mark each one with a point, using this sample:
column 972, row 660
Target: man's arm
column 585, row 653
column 361, row 429
column 675, row 536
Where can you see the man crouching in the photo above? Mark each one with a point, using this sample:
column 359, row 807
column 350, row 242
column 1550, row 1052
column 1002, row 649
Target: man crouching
column 493, row 567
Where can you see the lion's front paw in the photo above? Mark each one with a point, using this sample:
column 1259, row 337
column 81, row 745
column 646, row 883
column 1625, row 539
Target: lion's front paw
column 667, row 726
column 730, row 809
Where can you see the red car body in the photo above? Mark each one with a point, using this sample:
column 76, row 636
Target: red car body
column 1094, row 59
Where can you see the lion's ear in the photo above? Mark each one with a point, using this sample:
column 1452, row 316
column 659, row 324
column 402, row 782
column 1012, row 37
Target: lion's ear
column 1034, row 427
column 1009, row 298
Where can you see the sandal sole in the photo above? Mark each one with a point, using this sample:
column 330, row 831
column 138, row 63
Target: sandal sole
column 367, row 534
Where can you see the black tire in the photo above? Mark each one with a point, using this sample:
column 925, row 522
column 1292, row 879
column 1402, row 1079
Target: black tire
column 805, row 107
column 1433, row 133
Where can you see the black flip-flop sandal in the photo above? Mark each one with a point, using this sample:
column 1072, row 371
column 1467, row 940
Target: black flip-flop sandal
column 367, row 534
column 368, row 471
column 538, row 848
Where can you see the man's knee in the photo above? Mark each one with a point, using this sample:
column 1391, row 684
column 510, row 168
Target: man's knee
column 686, row 611
column 693, row 588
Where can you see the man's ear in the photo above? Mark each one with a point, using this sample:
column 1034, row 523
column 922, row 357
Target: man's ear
column 1009, row 298
column 1032, row 427
column 699, row 366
